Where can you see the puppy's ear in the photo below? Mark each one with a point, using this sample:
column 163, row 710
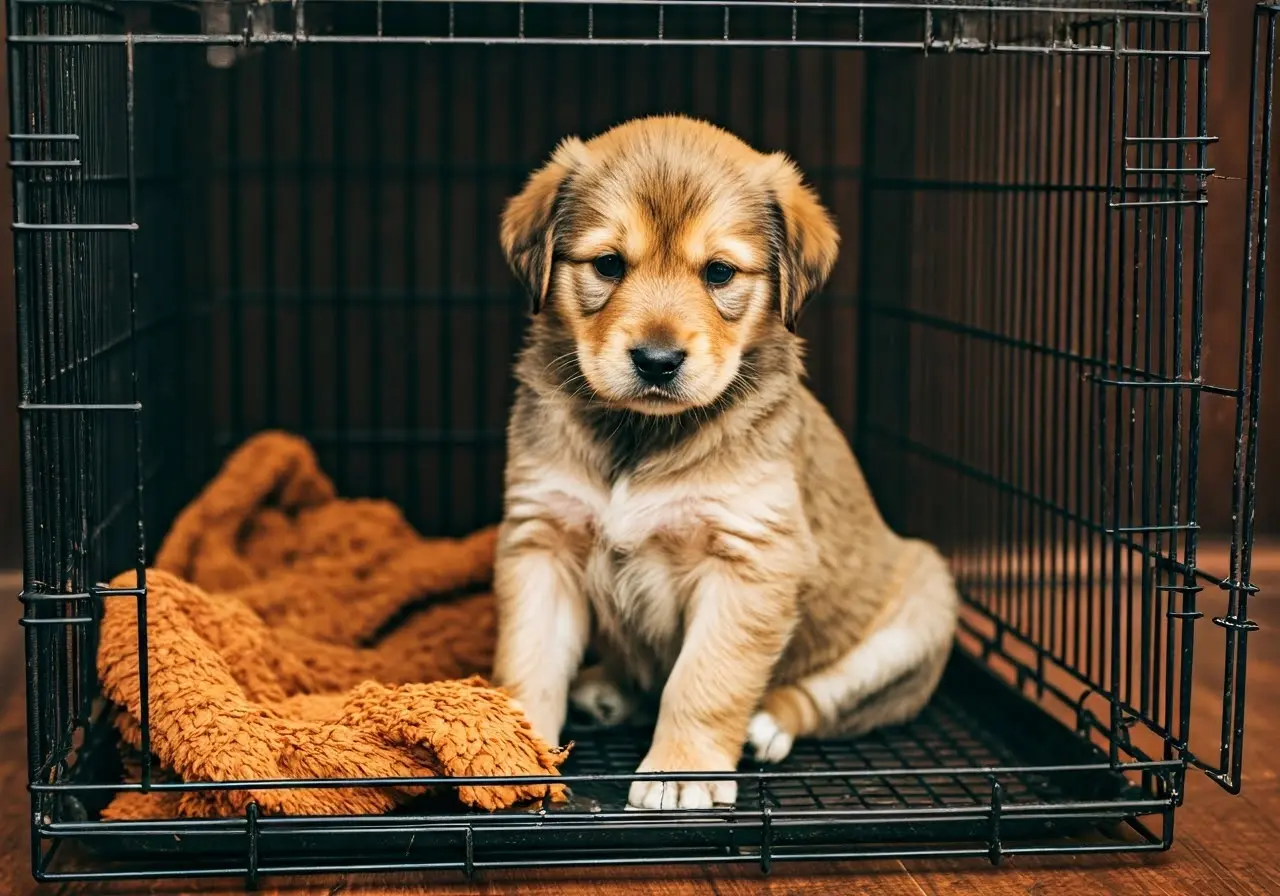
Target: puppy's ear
column 810, row 241
column 527, row 232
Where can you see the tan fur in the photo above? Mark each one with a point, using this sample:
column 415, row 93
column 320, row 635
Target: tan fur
column 715, row 542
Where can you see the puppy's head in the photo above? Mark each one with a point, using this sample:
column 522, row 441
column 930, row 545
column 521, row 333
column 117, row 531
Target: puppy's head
column 667, row 249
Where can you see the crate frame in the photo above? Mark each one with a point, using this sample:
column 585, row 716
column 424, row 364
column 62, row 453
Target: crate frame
column 57, row 430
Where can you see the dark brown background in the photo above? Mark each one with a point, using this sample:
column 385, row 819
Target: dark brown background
column 1231, row 42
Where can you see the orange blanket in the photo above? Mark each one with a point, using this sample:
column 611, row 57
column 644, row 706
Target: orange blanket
column 264, row 612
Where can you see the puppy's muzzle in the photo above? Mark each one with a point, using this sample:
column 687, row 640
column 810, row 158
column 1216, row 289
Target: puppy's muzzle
column 657, row 365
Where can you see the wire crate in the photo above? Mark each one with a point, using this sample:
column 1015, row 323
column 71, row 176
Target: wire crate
column 230, row 216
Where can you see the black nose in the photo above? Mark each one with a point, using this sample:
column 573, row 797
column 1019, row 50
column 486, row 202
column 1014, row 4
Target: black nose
column 657, row 364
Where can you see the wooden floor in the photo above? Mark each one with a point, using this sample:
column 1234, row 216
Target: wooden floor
column 1224, row 844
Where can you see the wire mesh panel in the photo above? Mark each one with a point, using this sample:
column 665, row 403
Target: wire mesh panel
column 235, row 216
column 1226, row 765
column 1048, row 331
column 99, row 322
column 1057, row 424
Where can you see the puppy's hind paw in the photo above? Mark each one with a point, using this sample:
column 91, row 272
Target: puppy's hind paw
column 769, row 742
column 602, row 701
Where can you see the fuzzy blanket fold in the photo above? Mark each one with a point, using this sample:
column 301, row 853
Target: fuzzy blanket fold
column 264, row 613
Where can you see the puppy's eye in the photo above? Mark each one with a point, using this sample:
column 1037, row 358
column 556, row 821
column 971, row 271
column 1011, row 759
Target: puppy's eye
column 610, row 267
column 718, row 273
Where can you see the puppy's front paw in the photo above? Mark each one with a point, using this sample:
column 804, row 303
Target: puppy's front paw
column 602, row 700
column 769, row 741
column 682, row 794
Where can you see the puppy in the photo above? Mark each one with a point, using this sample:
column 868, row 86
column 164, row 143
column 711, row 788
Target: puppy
column 676, row 498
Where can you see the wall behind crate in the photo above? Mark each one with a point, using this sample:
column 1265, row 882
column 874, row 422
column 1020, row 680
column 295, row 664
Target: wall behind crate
column 1231, row 45
column 395, row 281
column 832, row 318
column 352, row 255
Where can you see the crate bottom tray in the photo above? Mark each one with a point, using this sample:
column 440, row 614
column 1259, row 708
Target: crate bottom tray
column 928, row 782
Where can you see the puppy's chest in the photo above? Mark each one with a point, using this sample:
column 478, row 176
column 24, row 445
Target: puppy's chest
column 642, row 552
column 639, row 606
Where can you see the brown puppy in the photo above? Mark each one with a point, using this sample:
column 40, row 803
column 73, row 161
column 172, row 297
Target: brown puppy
column 673, row 491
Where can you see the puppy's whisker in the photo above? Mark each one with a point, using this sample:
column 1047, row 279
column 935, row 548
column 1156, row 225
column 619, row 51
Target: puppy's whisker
column 559, row 362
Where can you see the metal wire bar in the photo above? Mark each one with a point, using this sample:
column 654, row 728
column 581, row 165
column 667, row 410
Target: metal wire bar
column 1020, row 398
column 1236, row 621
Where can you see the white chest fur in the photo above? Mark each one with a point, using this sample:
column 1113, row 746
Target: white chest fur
column 622, row 517
column 644, row 548
column 633, row 573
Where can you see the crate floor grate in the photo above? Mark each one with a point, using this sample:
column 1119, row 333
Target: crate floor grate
column 945, row 735
column 927, row 782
